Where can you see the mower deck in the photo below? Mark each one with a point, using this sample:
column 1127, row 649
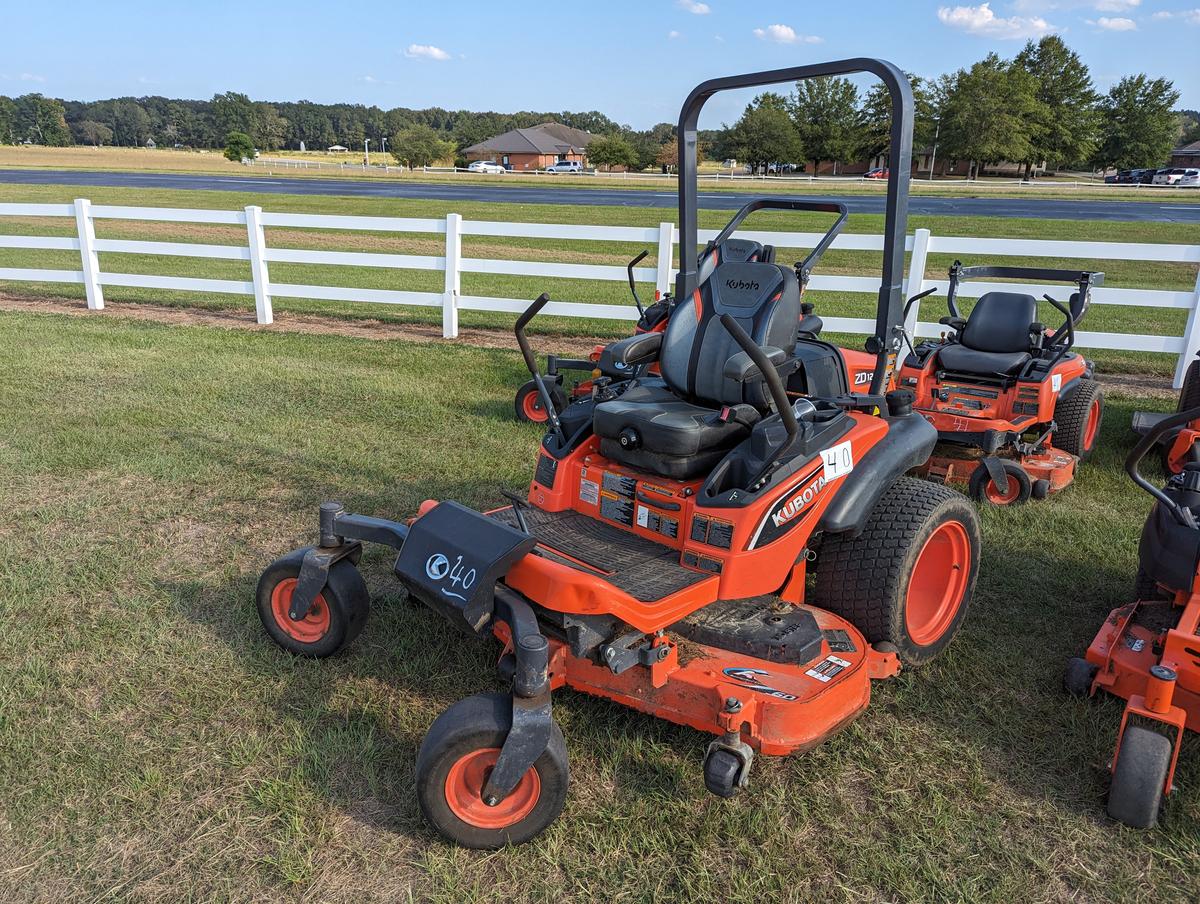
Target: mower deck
column 780, row 705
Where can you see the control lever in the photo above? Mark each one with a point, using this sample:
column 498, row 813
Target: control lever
column 633, row 284
column 531, row 363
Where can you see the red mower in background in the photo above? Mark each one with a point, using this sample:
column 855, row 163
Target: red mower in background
column 1015, row 409
column 723, row 248
column 1177, row 446
column 1148, row 652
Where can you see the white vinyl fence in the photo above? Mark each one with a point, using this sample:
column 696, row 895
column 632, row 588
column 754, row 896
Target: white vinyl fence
column 453, row 264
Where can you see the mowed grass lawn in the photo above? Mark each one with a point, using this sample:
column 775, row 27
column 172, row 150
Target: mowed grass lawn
column 154, row 746
column 1103, row 318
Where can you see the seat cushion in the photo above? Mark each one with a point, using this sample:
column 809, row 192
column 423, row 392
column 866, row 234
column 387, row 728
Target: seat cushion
column 972, row 361
column 1000, row 322
column 676, row 438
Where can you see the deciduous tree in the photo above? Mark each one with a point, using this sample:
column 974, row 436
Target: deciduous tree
column 611, row 150
column 239, row 146
column 765, row 133
column 1065, row 131
column 991, row 113
column 825, row 112
column 1137, row 127
column 420, row 146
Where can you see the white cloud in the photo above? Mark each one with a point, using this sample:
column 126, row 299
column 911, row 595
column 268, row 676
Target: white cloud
column 1118, row 23
column 718, row 39
column 425, row 52
column 23, row 77
column 1190, row 16
column 1116, row 6
column 696, row 9
column 672, row 34
column 785, row 34
column 980, row 20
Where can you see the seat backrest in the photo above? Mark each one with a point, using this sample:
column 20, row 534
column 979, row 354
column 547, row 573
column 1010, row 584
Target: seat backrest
column 728, row 252
column 765, row 301
column 1000, row 322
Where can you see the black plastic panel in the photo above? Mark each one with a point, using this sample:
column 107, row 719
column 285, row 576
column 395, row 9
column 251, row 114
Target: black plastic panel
column 765, row 627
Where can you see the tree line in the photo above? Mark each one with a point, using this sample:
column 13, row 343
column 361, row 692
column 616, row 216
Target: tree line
column 1040, row 106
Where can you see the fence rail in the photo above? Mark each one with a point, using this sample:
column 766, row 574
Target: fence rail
column 452, row 264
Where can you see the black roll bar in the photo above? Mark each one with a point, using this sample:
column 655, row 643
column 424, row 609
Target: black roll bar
column 793, row 204
column 1085, row 280
column 1145, row 444
column 888, row 320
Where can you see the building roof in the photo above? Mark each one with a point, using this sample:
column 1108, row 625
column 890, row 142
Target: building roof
column 548, row 138
column 1193, row 148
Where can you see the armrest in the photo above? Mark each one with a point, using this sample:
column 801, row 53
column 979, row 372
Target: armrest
column 641, row 348
column 955, row 323
column 739, row 367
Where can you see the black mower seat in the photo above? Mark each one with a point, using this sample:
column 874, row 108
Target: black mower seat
column 996, row 339
column 734, row 251
column 682, row 425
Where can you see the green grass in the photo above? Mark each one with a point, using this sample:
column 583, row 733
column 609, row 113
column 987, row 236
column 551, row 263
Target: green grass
column 155, row 747
column 1104, row 318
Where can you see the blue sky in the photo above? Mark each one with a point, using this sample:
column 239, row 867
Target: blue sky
column 632, row 60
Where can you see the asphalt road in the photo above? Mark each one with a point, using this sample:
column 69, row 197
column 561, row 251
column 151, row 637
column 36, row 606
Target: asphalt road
column 1166, row 211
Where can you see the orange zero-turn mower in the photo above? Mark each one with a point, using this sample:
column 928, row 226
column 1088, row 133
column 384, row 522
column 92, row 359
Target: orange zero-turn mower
column 1148, row 652
column 660, row 557
column 1181, row 444
column 1015, row 409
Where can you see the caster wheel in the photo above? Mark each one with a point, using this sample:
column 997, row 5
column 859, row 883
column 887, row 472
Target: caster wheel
column 335, row 619
column 1078, row 678
column 721, row 771
column 1040, row 489
column 529, row 406
column 983, row 488
column 453, row 766
column 1143, row 759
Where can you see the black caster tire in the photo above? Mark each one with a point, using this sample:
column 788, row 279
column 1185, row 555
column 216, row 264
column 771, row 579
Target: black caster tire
column 335, row 619
column 1078, row 418
column 1143, row 759
column 1078, row 678
column 528, row 404
column 907, row 578
column 454, row 761
column 1040, row 489
column 983, row 489
column 721, row 770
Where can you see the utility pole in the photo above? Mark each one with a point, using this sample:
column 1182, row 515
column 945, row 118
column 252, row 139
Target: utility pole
column 384, row 149
column 366, row 152
column 933, row 157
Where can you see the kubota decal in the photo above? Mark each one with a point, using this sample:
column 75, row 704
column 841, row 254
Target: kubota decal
column 750, row 678
column 791, row 508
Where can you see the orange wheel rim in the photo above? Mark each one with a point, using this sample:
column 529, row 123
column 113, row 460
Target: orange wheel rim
column 531, row 407
column 995, row 497
column 464, row 792
column 1093, row 425
column 309, row 629
column 938, row 583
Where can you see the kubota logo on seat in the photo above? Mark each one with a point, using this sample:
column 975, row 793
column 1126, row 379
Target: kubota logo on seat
column 740, row 284
column 799, row 503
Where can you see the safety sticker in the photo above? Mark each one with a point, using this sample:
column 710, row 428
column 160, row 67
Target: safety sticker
column 1136, row 644
column 589, row 491
column 829, row 668
column 838, row 460
column 1055, row 382
column 643, row 515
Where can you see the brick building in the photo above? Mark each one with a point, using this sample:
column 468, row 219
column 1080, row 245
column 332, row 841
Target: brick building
column 533, row 148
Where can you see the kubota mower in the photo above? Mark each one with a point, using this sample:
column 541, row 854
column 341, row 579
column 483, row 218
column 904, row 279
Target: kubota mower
column 1015, row 409
column 661, row 556
column 723, row 248
column 1148, row 652
column 1180, row 445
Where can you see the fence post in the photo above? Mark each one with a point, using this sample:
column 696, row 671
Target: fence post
column 1191, row 337
column 258, row 265
column 916, row 279
column 87, row 253
column 666, row 257
column 453, row 285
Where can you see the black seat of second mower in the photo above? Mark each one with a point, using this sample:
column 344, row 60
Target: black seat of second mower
column 676, row 422
column 996, row 339
column 731, row 251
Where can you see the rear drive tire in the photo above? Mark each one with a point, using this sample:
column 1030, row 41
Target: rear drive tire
column 1143, row 759
column 907, row 579
column 454, row 762
column 529, row 406
column 1189, row 395
column 1078, row 418
column 335, row 619
column 1078, row 678
column 983, row 489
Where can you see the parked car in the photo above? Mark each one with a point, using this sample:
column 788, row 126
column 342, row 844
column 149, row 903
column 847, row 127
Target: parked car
column 1190, row 177
column 1145, row 176
column 565, row 166
column 878, row 173
column 1169, row 176
column 485, row 166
